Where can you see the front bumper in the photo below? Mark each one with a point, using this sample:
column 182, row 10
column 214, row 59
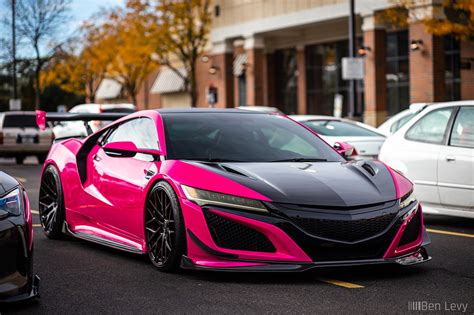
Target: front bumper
column 294, row 248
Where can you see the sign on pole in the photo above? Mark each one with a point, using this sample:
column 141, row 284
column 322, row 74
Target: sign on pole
column 353, row 68
column 15, row 104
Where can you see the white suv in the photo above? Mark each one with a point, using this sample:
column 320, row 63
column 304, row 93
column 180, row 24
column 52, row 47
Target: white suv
column 435, row 149
column 20, row 137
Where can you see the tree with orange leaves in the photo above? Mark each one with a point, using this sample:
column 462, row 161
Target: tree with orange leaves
column 459, row 20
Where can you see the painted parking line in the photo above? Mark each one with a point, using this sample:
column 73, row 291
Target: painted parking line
column 34, row 211
column 344, row 284
column 450, row 233
column 36, row 225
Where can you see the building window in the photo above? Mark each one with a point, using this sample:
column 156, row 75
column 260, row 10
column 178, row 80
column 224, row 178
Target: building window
column 286, row 80
column 398, row 72
column 452, row 73
column 242, row 84
column 324, row 79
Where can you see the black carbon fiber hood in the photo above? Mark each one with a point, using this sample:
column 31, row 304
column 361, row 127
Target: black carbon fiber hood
column 331, row 184
column 7, row 183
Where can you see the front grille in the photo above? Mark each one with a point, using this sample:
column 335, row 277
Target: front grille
column 346, row 230
column 232, row 235
column 412, row 230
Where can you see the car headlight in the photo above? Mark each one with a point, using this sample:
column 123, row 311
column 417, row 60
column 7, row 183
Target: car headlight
column 407, row 199
column 11, row 203
column 206, row 197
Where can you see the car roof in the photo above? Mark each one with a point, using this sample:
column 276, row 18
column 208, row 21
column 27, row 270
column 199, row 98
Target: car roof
column 449, row 104
column 313, row 117
column 19, row 113
column 208, row 110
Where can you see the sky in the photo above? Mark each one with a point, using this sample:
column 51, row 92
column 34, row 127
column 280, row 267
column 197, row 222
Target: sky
column 80, row 10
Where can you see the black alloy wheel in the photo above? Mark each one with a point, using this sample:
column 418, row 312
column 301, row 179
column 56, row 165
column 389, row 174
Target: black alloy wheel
column 164, row 228
column 51, row 204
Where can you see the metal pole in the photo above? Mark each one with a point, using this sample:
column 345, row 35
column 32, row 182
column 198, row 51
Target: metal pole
column 15, row 89
column 352, row 99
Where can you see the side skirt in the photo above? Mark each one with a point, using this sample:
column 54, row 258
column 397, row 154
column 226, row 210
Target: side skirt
column 102, row 241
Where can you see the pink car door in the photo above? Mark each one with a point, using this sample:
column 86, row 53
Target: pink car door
column 120, row 181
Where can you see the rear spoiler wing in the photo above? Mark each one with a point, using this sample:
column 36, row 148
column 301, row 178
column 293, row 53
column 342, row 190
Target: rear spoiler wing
column 43, row 117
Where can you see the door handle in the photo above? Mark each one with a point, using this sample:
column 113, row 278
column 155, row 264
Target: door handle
column 450, row 158
column 97, row 158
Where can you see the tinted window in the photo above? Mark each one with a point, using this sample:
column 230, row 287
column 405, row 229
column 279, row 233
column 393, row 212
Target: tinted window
column 431, row 128
column 20, row 121
column 463, row 130
column 241, row 137
column 334, row 128
column 140, row 131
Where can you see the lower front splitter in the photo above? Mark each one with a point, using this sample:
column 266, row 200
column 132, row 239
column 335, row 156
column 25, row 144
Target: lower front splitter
column 416, row 257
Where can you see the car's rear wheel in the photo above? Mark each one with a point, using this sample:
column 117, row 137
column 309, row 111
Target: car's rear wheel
column 164, row 227
column 51, row 203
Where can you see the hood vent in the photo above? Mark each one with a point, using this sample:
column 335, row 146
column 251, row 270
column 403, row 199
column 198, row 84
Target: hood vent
column 232, row 170
column 370, row 168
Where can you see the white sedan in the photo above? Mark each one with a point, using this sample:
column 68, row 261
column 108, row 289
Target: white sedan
column 397, row 121
column 435, row 150
column 365, row 139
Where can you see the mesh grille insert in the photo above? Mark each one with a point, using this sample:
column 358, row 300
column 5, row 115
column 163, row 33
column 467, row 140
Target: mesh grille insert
column 345, row 230
column 232, row 235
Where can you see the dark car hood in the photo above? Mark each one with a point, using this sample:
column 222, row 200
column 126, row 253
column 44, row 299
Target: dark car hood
column 7, row 183
column 322, row 183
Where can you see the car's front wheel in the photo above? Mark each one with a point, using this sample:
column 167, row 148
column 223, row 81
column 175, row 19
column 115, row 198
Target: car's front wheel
column 164, row 227
column 51, row 203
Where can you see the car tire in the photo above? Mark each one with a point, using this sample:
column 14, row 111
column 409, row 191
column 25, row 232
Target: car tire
column 164, row 228
column 51, row 203
column 19, row 160
column 41, row 158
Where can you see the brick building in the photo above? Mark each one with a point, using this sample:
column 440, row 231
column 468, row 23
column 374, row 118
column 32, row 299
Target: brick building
column 288, row 54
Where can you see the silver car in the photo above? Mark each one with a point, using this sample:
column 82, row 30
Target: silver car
column 20, row 137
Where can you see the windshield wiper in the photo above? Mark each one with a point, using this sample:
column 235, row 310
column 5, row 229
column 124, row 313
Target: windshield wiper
column 301, row 160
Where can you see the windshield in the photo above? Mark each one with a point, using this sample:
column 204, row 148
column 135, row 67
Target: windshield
column 241, row 137
column 20, row 121
column 335, row 128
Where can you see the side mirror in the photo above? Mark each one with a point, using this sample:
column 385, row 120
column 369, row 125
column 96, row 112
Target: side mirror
column 126, row 149
column 344, row 149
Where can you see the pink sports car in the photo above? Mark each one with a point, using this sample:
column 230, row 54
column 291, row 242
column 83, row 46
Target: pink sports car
column 224, row 189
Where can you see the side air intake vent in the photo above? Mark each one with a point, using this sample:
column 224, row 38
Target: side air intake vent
column 232, row 235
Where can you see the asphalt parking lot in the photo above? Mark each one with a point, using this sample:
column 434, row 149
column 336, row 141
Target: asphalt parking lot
column 79, row 277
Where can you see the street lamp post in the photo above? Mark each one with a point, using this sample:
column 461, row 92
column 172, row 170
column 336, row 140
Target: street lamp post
column 15, row 89
column 352, row 98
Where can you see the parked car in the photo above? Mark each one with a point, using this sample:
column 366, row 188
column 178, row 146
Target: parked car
column 17, row 280
column 223, row 189
column 436, row 151
column 264, row 109
column 20, row 137
column 77, row 129
column 397, row 121
column 365, row 139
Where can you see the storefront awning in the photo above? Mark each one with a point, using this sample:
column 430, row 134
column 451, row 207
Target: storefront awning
column 239, row 62
column 108, row 89
column 169, row 81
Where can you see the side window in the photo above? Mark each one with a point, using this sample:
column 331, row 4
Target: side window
column 141, row 131
column 462, row 134
column 430, row 128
